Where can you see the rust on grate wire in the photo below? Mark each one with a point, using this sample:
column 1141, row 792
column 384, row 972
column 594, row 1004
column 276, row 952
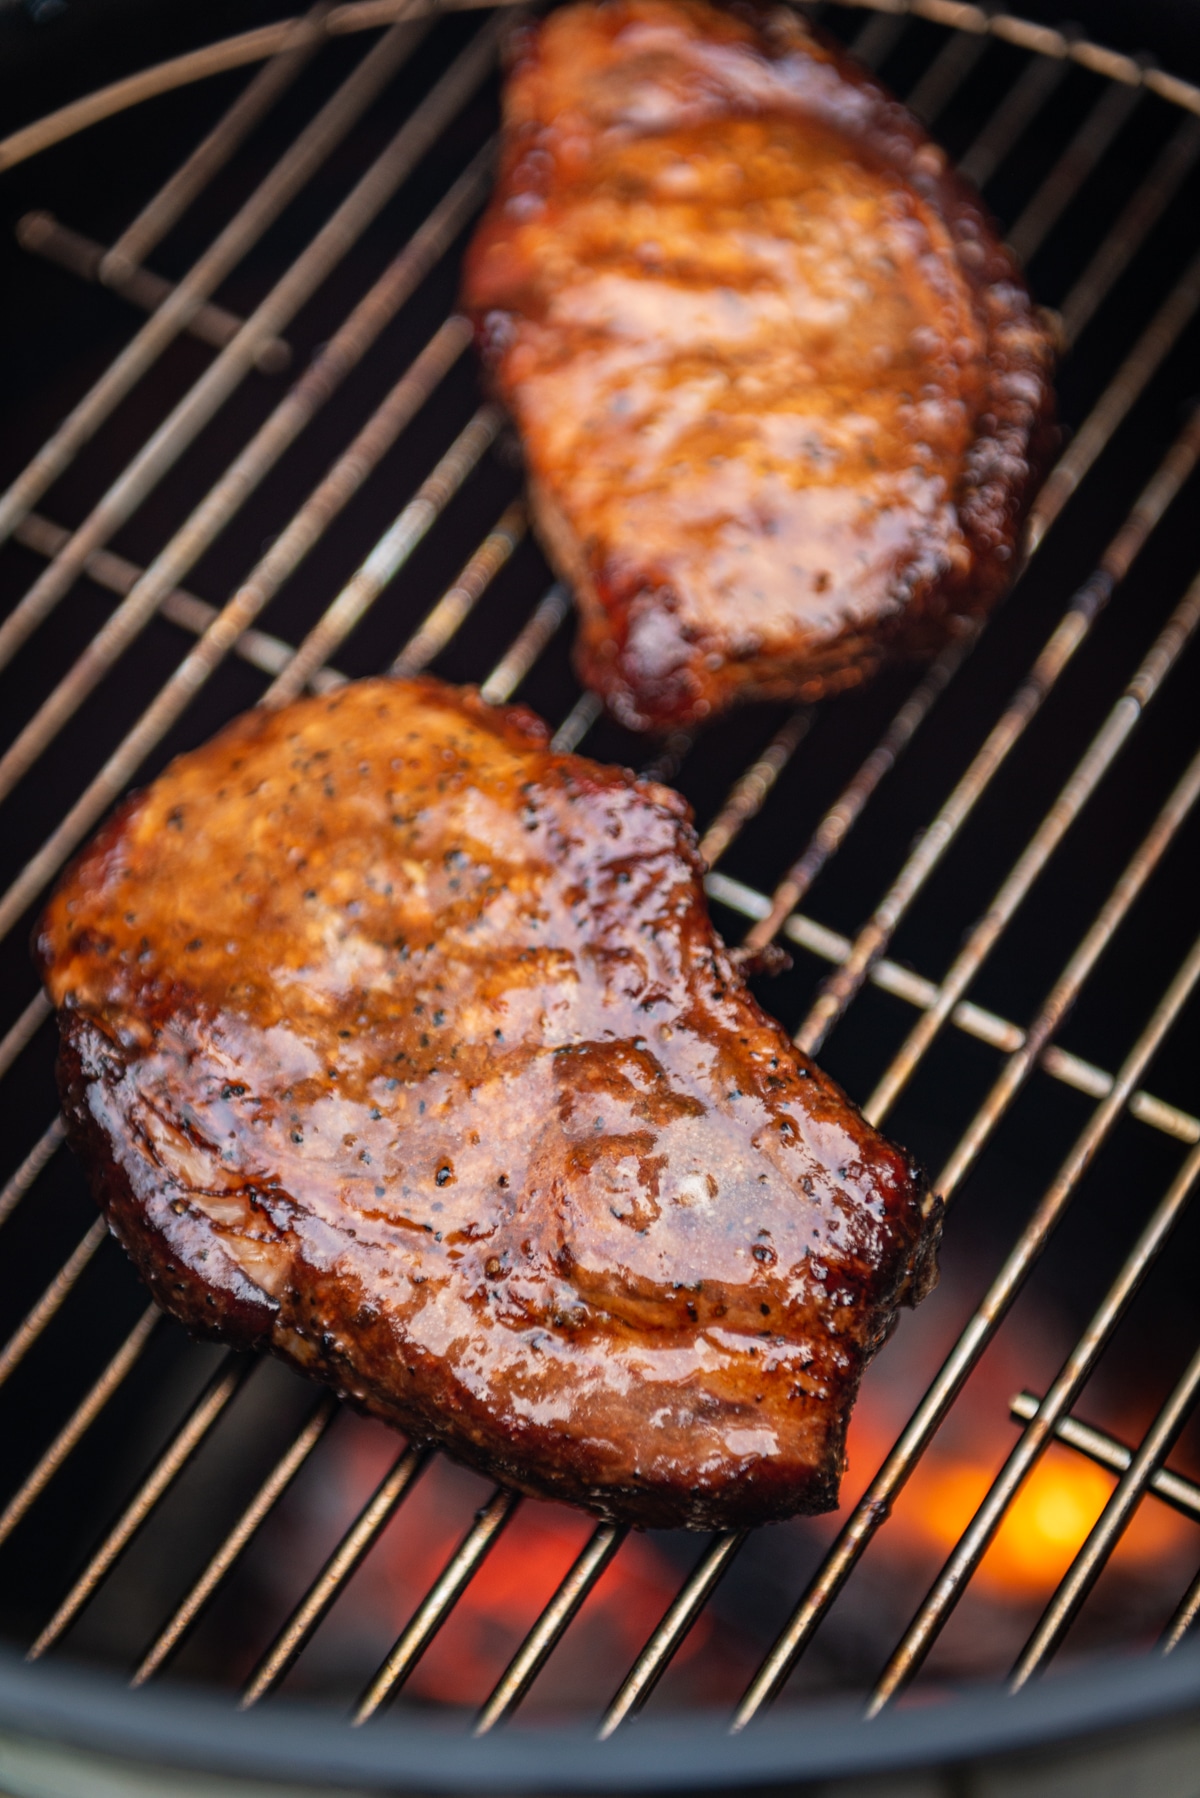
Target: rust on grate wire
column 1128, row 88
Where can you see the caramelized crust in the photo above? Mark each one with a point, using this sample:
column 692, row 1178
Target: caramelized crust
column 782, row 393
column 404, row 1046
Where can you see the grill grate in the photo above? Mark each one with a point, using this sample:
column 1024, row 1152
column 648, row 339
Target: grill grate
column 1124, row 284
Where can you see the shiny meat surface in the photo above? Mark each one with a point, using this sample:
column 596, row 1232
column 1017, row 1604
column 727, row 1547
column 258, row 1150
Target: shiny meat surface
column 781, row 392
column 404, row 1046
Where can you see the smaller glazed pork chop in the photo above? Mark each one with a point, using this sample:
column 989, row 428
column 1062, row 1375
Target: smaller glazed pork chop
column 403, row 1046
column 782, row 394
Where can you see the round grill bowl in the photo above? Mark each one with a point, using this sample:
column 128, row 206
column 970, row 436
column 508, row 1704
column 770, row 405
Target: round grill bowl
column 1003, row 839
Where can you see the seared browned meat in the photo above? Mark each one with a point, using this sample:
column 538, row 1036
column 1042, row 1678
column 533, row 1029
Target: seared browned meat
column 404, row 1046
column 781, row 391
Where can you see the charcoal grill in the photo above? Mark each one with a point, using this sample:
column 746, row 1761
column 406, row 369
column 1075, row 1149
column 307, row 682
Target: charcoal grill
column 978, row 869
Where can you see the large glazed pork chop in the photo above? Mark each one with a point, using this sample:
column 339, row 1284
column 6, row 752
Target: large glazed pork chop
column 782, row 393
column 403, row 1046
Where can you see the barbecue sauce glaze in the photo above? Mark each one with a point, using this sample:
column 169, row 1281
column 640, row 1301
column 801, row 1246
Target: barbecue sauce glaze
column 404, row 1046
column 782, row 393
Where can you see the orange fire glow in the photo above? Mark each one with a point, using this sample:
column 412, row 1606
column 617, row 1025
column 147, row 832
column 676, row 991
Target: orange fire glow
column 512, row 1585
column 1046, row 1525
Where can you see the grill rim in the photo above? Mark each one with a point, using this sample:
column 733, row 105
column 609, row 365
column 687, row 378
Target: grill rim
column 982, row 1721
column 182, row 1728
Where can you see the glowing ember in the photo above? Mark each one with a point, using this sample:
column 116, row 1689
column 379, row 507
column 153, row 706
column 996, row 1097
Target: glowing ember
column 1053, row 1512
column 509, row 1590
column 1044, row 1529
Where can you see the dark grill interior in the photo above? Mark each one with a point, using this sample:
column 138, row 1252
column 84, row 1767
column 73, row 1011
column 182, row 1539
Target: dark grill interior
column 168, row 1504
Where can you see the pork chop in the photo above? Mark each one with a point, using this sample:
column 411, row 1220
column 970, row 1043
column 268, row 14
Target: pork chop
column 403, row 1046
column 782, row 393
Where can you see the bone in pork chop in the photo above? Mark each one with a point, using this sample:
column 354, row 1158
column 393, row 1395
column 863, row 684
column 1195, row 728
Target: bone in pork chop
column 404, row 1046
column 781, row 391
